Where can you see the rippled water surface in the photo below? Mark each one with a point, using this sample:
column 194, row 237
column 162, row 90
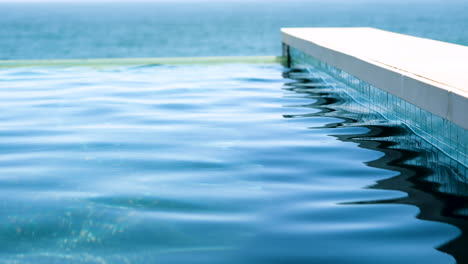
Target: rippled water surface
column 215, row 164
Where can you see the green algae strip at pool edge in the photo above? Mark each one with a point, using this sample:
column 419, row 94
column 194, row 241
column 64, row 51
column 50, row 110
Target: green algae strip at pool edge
column 142, row 61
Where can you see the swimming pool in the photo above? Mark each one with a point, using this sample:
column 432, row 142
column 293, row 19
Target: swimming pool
column 232, row 163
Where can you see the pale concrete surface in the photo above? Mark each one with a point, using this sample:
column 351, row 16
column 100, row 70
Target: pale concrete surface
column 430, row 74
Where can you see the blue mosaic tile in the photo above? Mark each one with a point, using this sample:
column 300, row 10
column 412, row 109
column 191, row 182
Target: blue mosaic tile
column 439, row 132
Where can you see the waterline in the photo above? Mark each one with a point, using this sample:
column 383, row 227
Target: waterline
column 143, row 61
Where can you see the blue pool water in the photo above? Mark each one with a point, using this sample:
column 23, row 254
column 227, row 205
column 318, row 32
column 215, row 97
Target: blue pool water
column 206, row 28
column 234, row 163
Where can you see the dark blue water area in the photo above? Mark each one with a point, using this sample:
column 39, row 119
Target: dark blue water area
column 206, row 28
column 215, row 164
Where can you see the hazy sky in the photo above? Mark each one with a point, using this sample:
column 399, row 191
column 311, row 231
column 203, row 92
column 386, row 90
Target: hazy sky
column 130, row 1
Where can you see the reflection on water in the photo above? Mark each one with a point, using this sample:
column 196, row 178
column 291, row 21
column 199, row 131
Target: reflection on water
column 215, row 164
column 433, row 182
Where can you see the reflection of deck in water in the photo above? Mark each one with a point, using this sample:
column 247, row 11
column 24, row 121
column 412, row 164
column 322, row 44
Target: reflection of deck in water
column 433, row 182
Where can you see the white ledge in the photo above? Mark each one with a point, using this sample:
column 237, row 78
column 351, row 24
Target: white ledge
column 432, row 75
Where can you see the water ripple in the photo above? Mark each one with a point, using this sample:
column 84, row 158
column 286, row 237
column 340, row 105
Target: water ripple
column 215, row 164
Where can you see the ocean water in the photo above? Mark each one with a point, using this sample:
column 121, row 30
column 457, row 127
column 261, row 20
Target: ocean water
column 206, row 28
column 234, row 163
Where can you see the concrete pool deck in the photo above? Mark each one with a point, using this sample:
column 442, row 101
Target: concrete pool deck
column 430, row 74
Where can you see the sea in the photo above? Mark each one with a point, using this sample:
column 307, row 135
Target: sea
column 83, row 30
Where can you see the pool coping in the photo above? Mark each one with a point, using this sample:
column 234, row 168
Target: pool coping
column 141, row 61
column 447, row 102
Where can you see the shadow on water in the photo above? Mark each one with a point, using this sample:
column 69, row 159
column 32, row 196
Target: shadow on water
column 433, row 183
